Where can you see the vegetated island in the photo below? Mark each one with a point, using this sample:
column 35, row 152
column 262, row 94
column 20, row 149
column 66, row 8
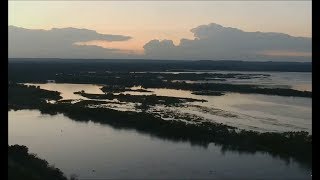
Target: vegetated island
column 286, row 145
column 119, row 75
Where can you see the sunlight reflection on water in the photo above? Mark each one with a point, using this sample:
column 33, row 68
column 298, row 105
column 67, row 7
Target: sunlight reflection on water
column 253, row 111
column 80, row 147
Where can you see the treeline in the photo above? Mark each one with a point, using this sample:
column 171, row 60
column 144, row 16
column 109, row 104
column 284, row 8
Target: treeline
column 28, row 96
column 21, row 70
column 98, row 73
column 25, row 166
column 156, row 65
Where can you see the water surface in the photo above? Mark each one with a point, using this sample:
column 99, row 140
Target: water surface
column 94, row 151
column 301, row 81
column 246, row 111
column 67, row 90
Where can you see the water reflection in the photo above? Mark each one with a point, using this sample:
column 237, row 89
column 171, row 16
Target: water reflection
column 79, row 148
column 296, row 80
column 247, row 111
column 263, row 112
column 67, row 90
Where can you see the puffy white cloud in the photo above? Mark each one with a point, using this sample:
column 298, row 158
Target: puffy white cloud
column 215, row 42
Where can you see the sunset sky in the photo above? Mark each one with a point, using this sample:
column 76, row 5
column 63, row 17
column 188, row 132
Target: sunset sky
column 148, row 20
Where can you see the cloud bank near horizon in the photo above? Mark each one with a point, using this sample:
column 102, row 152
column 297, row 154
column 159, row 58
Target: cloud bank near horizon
column 211, row 42
column 60, row 43
column 216, row 42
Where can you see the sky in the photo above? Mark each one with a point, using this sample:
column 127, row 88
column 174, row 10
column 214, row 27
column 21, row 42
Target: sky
column 144, row 21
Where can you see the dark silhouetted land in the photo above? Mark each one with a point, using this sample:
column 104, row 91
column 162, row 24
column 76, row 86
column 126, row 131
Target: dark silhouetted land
column 25, row 166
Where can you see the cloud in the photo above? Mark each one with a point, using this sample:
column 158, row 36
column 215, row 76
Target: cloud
column 60, row 43
column 211, row 42
column 215, row 42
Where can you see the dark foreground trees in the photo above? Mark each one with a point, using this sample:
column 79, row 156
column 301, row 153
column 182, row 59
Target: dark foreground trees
column 25, row 166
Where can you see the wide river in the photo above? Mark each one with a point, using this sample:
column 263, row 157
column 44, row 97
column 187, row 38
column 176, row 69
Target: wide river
column 98, row 151
column 95, row 151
